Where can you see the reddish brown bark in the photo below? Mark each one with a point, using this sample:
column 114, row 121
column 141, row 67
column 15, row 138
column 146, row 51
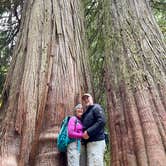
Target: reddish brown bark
column 46, row 79
column 135, row 83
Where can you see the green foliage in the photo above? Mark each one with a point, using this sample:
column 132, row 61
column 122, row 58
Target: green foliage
column 107, row 159
column 94, row 22
column 94, row 14
column 159, row 10
column 4, row 60
column 10, row 14
column 94, row 17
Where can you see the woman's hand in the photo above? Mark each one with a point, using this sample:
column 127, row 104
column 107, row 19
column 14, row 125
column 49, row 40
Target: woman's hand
column 85, row 135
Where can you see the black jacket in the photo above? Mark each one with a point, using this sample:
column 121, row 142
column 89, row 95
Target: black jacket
column 94, row 121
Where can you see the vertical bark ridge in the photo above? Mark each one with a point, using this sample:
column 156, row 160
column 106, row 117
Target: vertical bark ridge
column 162, row 93
column 135, row 62
column 138, row 138
column 129, row 153
column 158, row 113
column 152, row 137
column 67, row 78
column 47, row 81
column 13, row 81
column 36, row 77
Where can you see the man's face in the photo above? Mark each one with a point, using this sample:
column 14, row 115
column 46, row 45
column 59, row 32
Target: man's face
column 87, row 100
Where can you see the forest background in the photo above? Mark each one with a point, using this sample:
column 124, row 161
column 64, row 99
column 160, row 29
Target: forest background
column 10, row 18
column 94, row 14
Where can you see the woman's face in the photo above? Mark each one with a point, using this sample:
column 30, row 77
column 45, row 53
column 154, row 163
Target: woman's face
column 79, row 112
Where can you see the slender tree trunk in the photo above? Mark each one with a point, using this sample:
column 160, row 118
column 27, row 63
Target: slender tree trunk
column 136, row 84
column 47, row 76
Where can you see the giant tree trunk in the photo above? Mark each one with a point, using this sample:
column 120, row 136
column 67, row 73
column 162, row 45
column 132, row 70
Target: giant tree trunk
column 136, row 84
column 46, row 79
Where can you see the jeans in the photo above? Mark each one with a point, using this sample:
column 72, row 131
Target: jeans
column 92, row 154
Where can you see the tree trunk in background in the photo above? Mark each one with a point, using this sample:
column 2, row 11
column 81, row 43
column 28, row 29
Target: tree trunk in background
column 48, row 74
column 136, row 84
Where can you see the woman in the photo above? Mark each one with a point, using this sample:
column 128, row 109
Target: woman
column 75, row 130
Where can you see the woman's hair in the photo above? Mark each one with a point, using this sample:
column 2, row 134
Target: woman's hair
column 78, row 106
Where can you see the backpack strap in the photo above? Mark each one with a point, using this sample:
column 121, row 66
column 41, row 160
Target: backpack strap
column 78, row 140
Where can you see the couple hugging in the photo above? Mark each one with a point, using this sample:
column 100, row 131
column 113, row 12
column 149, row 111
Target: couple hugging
column 87, row 127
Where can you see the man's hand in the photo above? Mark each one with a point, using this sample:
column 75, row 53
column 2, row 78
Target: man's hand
column 85, row 135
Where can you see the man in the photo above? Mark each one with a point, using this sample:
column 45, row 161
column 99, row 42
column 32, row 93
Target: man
column 93, row 120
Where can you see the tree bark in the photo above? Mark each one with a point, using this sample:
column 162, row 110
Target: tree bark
column 135, row 82
column 47, row 76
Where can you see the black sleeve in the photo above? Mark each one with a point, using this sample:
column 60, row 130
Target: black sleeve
column 100, row 121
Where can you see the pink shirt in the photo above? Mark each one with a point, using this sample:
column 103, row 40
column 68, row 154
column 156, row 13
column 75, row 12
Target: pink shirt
column 75, row 130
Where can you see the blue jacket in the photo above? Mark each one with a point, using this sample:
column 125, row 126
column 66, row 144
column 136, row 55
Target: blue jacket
column 93, row 121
